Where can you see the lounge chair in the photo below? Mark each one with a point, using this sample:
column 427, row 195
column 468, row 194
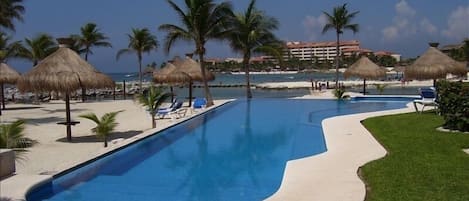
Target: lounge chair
column 199, row 104
column 428, row 98
column 176, row 111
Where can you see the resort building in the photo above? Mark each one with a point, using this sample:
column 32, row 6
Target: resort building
column 320, row 51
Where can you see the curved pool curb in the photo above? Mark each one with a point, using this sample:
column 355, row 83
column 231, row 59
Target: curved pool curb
column 332, row 175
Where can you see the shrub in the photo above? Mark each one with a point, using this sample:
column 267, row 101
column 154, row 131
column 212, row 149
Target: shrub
column 453, row 100
column 339, row 93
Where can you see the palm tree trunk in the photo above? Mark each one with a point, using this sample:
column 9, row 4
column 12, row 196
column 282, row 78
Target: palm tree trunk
column 83, row 89
column 246, row 72
column 190, row 93
column 140, row 73
column 153, row 120
column 208, row 95
column 337, row 62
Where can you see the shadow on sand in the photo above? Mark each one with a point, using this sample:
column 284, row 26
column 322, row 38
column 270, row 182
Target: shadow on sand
column 93, row 138
column 22, row 108
column 43, row 120
column 63, row 110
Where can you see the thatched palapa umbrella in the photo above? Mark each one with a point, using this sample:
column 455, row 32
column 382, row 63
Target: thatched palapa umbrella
column 434, row 64
column 64, row 71
column 168, row 74
column 365, row 69
column 193, row 69
column 7, row 76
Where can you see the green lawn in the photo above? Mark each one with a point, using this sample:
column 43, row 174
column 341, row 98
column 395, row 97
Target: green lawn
column 422, row 163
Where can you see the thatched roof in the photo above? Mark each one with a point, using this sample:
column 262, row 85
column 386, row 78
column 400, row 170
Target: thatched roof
column 63, row 71
column 434, row 64
column 8, row 74
column 192, row 68
column 365, row 69
column 168, row 74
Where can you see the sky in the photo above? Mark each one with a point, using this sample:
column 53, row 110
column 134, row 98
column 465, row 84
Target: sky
column 401, row 26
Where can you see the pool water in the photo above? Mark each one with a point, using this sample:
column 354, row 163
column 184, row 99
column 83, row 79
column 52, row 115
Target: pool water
column 234, row 152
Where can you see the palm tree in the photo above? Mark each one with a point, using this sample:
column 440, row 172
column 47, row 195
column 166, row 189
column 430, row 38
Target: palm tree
column 251, row 32
column 12, row 137
column 7, row 49
column 38, row 48
column 339, row 20
column 104, row 126
column 140, row 41
column 202, row 20
column 90, row 36
column 152, row 101
column 9, row 11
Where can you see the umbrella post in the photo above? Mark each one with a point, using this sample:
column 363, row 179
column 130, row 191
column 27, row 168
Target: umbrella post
column 190, row 94
column 67, row 115
column 434, row 85
column 125, row 96
column 3, row 97
column 364, row 86
column 114, row 92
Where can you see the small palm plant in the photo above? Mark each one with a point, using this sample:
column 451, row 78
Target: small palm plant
column 380, row 87
column 339, row 93
column 12, row 137
column 104, row 126
column 152, row 101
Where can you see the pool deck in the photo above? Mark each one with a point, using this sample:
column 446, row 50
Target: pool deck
column 333, row 175
column 328, row 176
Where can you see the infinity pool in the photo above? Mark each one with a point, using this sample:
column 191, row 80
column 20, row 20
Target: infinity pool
column 235, row 152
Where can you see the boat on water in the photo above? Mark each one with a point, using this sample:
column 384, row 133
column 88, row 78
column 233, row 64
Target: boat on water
column 266, row 72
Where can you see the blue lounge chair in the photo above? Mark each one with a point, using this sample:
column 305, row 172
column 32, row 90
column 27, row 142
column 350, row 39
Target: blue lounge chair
column 176, row 109
column 199, row 103
column 428, row 98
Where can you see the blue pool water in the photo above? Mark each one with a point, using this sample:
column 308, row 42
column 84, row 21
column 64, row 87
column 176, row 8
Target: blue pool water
column 235, row 152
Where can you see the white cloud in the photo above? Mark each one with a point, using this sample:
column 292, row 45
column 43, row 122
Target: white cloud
column 458, row 25
column 313, row 25
column 403, row 9
column 390, row 32
column 427, row 26
column 405, row 23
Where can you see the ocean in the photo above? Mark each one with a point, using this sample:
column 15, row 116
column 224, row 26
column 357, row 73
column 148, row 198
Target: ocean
column 240, row 92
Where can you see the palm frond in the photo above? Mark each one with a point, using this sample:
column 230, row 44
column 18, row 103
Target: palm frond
column 123, row 51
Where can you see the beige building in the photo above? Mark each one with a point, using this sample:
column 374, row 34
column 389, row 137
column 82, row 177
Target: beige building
column 320, row 51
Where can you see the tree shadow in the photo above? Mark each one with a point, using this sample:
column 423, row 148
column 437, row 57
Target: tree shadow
column 43, row 120
column 22, row 108
column 63, row 110
column 94, row 138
